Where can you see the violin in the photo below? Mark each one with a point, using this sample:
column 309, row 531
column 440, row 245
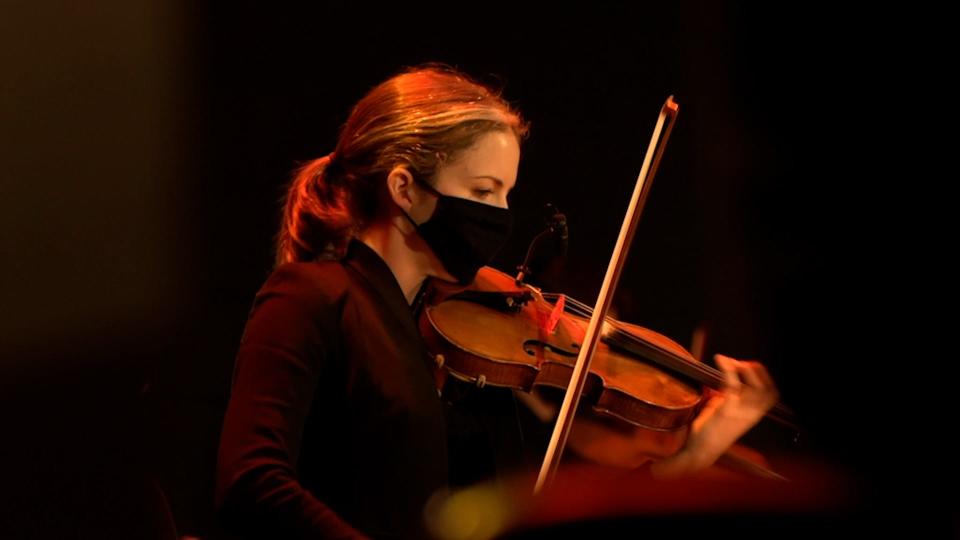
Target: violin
column 497, row 333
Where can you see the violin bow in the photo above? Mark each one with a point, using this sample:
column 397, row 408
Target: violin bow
column 658, row 143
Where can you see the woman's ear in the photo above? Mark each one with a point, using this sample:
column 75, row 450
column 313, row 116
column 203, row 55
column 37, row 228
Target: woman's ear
column 400, row 187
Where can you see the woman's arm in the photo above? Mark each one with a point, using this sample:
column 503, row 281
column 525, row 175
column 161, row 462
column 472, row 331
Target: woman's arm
column 275, row 375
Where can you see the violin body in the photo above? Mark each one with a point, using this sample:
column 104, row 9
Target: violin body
column 528, row 342
column 632, row 409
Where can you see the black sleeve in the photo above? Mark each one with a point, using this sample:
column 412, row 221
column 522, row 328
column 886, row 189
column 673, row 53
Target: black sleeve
column 275, row 374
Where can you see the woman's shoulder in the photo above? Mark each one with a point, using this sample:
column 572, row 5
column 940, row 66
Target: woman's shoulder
column 311, row 284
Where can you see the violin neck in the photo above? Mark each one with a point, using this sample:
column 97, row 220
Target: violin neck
column 695, row 372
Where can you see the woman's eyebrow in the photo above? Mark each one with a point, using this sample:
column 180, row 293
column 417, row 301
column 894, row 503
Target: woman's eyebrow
column 494, row 178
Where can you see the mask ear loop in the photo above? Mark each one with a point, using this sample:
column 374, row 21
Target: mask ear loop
column 430, row 189
column 426, row 185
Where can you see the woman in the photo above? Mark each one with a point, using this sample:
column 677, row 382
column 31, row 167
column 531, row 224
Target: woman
column 334, row 428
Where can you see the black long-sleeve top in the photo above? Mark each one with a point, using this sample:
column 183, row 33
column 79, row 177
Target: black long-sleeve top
column 334, row 426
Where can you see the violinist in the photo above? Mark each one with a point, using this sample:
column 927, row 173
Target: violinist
column 335, row 427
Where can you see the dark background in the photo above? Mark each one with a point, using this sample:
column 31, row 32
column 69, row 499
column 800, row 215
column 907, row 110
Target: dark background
column 146, row 147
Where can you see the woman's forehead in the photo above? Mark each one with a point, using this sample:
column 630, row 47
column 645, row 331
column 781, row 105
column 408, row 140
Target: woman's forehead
column 495, row 157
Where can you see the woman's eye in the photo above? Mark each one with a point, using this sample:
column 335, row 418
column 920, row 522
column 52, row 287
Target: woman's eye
column 483, row 193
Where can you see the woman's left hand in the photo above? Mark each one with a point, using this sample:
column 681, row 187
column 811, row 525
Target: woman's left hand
column 748, row 393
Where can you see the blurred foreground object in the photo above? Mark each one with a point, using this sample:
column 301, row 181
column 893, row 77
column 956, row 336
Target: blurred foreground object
column 590, row 499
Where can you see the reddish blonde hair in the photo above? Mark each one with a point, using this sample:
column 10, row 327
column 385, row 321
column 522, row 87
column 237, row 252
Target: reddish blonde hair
column 420, row 119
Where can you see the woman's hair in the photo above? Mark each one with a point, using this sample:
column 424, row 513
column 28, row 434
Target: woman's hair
column 419, row 119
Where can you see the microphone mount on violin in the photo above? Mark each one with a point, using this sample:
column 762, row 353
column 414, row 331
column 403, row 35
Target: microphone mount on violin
column 557, row 230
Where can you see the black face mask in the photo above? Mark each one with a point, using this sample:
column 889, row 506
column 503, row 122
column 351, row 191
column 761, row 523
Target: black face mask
column 465, row 235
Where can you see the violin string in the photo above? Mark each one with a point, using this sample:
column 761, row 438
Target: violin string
column 717, row 377
column 579, row 308
column 679, row 364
